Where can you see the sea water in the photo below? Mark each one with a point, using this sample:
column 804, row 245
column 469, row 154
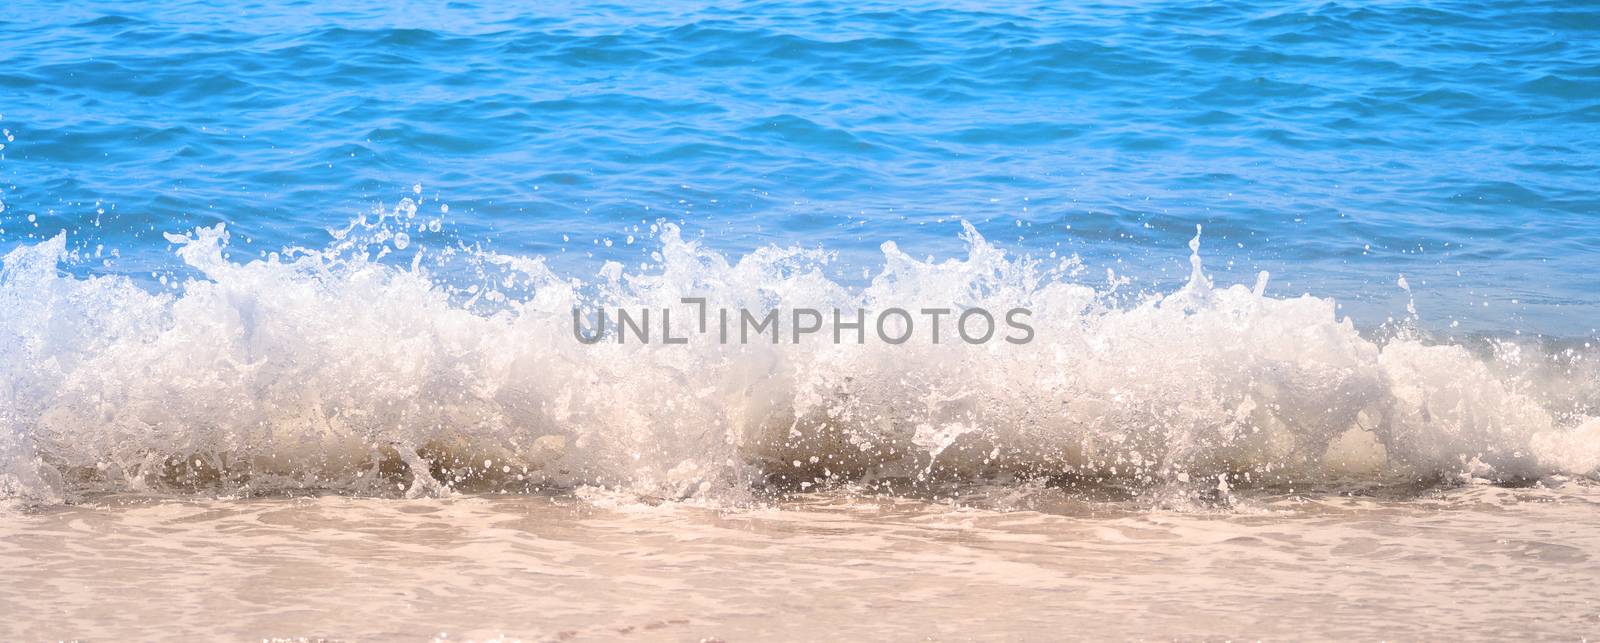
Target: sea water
column 286, row 303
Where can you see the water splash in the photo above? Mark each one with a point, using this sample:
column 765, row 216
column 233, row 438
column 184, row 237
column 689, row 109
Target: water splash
column 336, row 369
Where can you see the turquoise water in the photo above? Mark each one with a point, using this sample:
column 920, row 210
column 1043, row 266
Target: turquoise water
column 1335, row 145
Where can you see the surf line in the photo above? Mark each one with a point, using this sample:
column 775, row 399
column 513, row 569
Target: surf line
column 894, row 325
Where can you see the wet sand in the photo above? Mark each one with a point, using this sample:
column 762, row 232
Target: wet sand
column 1470, row 563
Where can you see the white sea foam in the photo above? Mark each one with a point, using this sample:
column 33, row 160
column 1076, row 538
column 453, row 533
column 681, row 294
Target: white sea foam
column 335, row 369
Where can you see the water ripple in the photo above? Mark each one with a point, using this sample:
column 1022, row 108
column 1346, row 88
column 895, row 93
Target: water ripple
column 1338, row 137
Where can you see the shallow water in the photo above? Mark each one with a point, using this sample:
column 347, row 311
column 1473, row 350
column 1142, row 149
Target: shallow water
column 1468, row 563
column 285, row 341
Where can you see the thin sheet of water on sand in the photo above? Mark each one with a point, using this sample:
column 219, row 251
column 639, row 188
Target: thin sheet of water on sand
column 1473, row 562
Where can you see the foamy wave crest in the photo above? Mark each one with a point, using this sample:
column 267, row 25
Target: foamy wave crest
column 337, row 369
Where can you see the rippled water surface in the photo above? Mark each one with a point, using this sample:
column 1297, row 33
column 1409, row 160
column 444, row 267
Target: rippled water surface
column 1333, row 144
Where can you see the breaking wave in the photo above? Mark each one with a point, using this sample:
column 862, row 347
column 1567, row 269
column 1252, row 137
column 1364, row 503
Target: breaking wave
column 343, row 369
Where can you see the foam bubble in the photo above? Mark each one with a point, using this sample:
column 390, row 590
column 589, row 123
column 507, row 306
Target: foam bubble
column 332, row 369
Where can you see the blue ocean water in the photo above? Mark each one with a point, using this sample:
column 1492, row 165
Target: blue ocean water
column 1337, row 145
